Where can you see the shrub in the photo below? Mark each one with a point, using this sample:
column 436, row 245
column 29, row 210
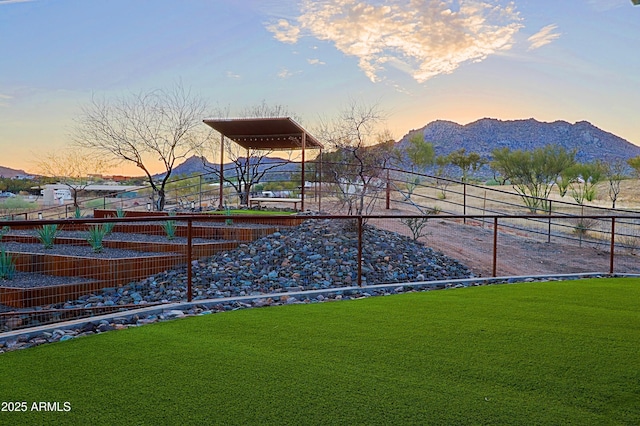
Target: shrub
column 583, row 226
column 95, row 235
column 17, row 203
column 47, row 235
column 7, row 265
column 416, row 225
column 629, row 240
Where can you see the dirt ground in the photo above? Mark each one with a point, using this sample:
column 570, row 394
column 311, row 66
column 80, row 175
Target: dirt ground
column 517, row 255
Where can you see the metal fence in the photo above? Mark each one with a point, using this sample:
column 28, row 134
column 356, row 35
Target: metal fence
column 90, row 266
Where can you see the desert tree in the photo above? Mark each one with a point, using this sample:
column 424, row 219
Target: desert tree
column 443, row 180
column 533, row 173
column 74, row 168
column 248, row 166
column 634, row 163
column 467, row 163
column 614, row 171
column 145, row 127
column 420, row 154
column 585, row 177
column 563, row 182
column 362, row 149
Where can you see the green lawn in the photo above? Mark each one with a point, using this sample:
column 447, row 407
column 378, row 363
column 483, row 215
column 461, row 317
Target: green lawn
column 253, row 212
column 539, row 353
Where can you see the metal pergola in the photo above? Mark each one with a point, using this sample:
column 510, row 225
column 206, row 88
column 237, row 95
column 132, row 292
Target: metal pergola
column 281, row 133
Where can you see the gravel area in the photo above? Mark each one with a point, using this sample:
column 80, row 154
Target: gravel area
column 73, row 250
column 30, row 280
column 114, row 236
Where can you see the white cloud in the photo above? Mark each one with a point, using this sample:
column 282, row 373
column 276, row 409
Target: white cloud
column 315, row 62
column 284, row 73
column 14, row 1
column 543, row 37
column 429, row 37
column 284, row 31
column 231, row 74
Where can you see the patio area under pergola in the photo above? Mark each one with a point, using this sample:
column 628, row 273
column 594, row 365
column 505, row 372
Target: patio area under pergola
column 277, row 134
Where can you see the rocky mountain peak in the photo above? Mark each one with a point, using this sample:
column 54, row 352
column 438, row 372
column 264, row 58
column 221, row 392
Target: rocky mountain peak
column 487, row 134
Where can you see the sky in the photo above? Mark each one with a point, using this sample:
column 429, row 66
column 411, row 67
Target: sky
column 418, row 60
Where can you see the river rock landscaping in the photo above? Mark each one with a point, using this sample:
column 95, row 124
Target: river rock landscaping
column 316, row 255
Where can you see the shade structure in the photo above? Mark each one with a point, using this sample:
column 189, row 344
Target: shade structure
column 281, row 133
column 278, row 133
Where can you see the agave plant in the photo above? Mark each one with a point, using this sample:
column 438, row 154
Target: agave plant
column 108, row 227
column 7, row 265
column 3, row 231
column 95, row 235
column 170, row 229
column 47, row 235
column 227, row 213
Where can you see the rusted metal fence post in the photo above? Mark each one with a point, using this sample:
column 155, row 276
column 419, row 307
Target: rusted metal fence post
column 464, row 201
column 549, row 231
column 360, row 251
column 495, row 245
column 388, row 191
column 200, row 192
column 613, row 243
column 189, row 253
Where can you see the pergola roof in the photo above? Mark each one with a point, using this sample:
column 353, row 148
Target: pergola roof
column 265, row 133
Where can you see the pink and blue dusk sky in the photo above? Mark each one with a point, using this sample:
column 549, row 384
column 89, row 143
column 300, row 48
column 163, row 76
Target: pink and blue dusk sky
column 420, row 60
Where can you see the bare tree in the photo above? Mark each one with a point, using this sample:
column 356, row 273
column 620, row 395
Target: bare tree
column 364, row 151
column 158, row 125
column 265, row 110
column 249, row 168
column 72, row 168
column 615, row 172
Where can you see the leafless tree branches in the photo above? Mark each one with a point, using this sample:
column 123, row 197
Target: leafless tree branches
column 362, row 149
column 165, row 125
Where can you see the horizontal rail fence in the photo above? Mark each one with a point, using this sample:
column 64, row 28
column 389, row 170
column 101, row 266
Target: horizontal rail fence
column 437, row 194
column 420, row 192
column 157, row 259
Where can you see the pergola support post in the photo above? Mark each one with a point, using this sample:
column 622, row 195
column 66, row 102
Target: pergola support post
column 220, row 203
column 304, row 143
